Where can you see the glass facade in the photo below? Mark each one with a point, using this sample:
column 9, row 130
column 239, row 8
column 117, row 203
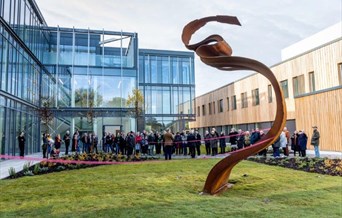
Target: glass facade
column 22, row 42
column 168, row 84
column 84, row 77
column 95, row 71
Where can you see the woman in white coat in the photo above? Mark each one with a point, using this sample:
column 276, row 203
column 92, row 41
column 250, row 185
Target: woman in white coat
column 283, row 142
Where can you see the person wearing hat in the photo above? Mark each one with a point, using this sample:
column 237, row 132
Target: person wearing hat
column 315, row 141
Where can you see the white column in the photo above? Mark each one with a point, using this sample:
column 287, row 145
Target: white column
column 72, row 128
column 72, row 70
column 95, row 125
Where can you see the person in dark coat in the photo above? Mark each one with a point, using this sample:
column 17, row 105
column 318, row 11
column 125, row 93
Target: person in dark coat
column 158, row 142
column 45, row 145
column 191, row 138
column 74, row 145
column 315, row 141
column 95, row 142
column 213, row 143
column 198, row 143
column 21, row 141
column 66, row 139
column 58, row 141
column 117, row 143
column 184, row 137
column 302, row 142
column 122, row 143
column 151, row 143
column 207, row 142
column 178, row 143
column 108, row 145
column 294, row 143
column 240, row 139
column 255, row 136
column 130, row 143
column 233, row 139
column 144, row 143
column 263, row 152
column 276, row 146
column 222, row 143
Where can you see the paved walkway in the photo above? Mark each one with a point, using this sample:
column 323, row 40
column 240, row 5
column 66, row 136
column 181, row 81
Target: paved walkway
column 5, row 165
column 17, row 164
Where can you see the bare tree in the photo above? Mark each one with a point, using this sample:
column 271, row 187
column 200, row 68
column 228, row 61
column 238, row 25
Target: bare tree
column 45, row 113
column 136, row 101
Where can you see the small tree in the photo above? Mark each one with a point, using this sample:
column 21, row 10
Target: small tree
column 91, row 114
column 45, row 113
column 136, row 101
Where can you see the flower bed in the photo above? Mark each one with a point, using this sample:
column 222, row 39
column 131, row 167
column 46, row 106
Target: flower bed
column 327, row 166
column 76, row 161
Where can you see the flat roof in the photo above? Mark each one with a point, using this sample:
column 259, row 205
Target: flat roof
column 318, row 39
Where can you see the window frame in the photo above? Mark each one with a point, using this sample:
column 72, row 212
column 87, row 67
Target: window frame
column 234, row 106
column 244, row 100
column 220, row 105
column 255, row 97
column 282, row 86
column 270, row 94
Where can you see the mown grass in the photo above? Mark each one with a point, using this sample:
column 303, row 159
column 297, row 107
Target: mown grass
column 171, row 189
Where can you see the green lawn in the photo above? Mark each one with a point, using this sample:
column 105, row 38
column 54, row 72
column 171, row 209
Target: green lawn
column 170, row 189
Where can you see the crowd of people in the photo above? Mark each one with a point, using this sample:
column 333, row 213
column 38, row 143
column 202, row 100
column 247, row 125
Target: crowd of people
column 181, row 143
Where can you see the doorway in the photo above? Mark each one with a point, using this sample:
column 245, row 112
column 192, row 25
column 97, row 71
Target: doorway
column 113, row 129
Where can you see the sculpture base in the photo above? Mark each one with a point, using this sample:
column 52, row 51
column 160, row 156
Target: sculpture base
column 220, row 190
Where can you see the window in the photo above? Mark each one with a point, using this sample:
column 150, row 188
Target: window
column 210, row 109
column 214, row 111
column 339, row 70
column 255, row 97
column 298, row 85
column 244, row 102
column 234, row 102
column 284, row 88
column 227, row 103
column 269, row 89
column 203, row 110
column 312, row 81
column 198, row 111
column 220, row 105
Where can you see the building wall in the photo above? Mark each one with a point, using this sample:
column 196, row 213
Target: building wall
column 20, row 73
column 167, row 80
column 324, row 62
column 328, row 119
column 85, row 76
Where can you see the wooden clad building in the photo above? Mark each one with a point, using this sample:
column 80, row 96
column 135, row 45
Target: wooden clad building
column 312, row 87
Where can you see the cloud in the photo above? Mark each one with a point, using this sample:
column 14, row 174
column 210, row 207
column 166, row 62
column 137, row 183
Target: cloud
column 267, row 25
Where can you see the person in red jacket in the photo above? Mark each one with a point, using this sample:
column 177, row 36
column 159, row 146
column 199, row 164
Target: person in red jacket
column 138, row 140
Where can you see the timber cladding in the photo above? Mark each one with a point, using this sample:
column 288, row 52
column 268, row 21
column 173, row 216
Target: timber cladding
column 323, row 110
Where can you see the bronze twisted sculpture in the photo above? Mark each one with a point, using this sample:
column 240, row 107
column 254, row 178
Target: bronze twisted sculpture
column 215, row 52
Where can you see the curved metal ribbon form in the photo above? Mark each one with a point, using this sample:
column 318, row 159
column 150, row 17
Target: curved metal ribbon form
column 214, row 51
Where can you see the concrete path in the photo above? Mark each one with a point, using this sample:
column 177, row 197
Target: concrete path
column 5, row 165
column 17, row 164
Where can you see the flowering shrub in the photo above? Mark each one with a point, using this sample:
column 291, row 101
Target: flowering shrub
column 48, row 167
column 331, row 167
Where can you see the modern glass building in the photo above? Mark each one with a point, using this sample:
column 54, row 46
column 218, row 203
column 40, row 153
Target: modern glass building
column 167, row 81
column 83, row 78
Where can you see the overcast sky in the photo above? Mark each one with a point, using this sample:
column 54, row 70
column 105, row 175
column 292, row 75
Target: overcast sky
column 267, row 25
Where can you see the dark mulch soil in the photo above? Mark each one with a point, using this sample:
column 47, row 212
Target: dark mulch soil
column 327, row 166
column 45, row 167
